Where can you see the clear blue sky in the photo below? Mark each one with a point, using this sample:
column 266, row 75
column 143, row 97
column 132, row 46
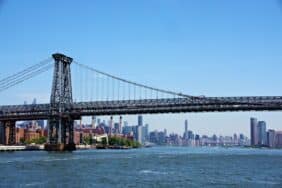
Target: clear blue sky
column 212, row 48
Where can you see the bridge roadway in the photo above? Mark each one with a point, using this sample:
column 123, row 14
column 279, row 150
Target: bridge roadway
column 145, row 106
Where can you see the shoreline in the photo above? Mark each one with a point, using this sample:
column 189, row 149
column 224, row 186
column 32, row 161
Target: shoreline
column 100, row 147
column 41, row 148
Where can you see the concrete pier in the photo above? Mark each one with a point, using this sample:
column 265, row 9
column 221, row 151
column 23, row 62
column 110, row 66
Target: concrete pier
column 21, row 148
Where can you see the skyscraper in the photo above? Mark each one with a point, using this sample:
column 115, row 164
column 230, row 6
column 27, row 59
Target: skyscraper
column 111, row 125
column 140, row 130
column 261, row 133
column 140, row 120
column 34, row 101
column 145, row 133
column 254, row 131
column 139, row 134
column 120, row 125
column 186, row 125
column 93, row 122
column 271, row 138
column 127, row 130
column 186, row 130
column 278, row 139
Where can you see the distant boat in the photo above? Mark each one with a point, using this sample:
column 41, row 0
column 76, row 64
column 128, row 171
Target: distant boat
column 148, row 145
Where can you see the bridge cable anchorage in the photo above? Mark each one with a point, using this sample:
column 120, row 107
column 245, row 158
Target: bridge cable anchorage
column 26, row 74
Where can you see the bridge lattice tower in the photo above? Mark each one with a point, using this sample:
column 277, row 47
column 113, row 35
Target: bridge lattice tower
column 60, row 126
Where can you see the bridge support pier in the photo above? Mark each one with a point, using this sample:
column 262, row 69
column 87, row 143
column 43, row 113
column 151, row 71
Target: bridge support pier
column 60, row 135
column 8, row 132
column 60, row 124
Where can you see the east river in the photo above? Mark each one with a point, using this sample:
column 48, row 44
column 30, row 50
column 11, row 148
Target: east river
column 146, row 167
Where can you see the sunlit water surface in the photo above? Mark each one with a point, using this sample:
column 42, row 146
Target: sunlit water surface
column 146, row 167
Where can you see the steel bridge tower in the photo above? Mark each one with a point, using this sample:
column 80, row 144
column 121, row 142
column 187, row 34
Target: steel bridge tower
column 60, row 125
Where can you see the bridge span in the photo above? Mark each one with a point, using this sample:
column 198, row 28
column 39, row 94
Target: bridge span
column 149, row 106
column 62, row 110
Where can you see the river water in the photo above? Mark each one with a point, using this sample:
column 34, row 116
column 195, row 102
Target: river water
column 146, row 167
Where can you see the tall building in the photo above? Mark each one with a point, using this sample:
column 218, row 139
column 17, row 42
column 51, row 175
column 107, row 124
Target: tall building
column 125, row 123
column 235, row 138
column 145, row 133
column 34, row 101
column 197, row 140
column 93, row 122
column 111, row 125
column 98, row 121
column 139, row 134
column 261, row 133
column 40, row 123
column 271, row 138
column 186, row 130
column 127, row 130
column 190, row 135
column 120, row 125
column 140, row 120
column 140, row 130
column 254, row 131
column 278, row 139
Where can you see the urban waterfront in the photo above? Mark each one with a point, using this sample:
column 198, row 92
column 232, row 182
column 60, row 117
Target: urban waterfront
column 146, row 167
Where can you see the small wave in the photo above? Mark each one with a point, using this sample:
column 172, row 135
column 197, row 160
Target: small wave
column 62, row 159
column 34, row 184
column 152, row 172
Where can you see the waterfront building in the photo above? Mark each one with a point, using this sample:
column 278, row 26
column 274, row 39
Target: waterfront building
column 271, row 138
column 278, row 139
column 165, row 132
column 158, row 138
column 93, row 122
column 139, row 133
column 120, row 125
column 254, row 131
column 241, row 137
column 153, row 136
column 34, row 101
column 242, row 140
column 140, row 120
column 191, row 140
column 127, row 130
column 116, row 128
column 145, row 133
column 261, row 133
column 235, row 139
column 185, row 136
column 197, row 140
column 111, row 125
column 2, row 134
column 98, row 121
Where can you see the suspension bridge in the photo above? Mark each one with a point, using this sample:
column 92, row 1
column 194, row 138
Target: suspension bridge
column 99, row 93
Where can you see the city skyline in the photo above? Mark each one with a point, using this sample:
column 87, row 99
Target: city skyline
column 133, row 120
column 196, row 63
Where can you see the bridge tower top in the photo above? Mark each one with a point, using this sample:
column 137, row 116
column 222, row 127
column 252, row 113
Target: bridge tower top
column 62, row 58
column 62, row 88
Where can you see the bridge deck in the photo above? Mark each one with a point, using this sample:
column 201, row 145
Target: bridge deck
column 210, row 104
